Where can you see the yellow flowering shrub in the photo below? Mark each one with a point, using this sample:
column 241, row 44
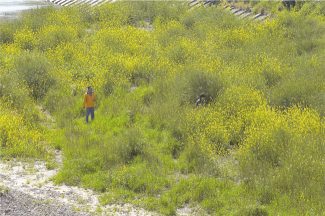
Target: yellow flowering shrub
column 53, row 35
column 26, row 39
column 281, row 153
column 17, row 137
column 206, row 127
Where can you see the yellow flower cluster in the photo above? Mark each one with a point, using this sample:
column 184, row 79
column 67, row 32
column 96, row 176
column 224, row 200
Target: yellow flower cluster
column 17, row 137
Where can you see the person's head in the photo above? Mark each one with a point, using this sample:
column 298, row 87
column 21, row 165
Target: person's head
column 89, row 90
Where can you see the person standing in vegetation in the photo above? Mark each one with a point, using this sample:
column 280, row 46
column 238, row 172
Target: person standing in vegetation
column 89, row 103
column 203, row 99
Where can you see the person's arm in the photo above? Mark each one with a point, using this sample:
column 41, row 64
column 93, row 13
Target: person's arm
column 197, row 102
column 85, row 100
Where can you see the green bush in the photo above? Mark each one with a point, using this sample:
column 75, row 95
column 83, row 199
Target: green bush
column 13, row 91
column 139, row 178
column 38, row 18
column 7, row 31
column 34, row 70
column 189, row 86
column 129, row 145
column 303, row 91
column 52, row 36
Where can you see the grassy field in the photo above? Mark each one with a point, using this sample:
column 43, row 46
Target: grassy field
column 256, row 148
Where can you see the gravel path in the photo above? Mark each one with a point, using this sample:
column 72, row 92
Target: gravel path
column 15, row 203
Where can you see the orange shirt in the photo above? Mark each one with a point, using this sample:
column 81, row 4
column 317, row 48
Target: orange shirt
column 89, row 100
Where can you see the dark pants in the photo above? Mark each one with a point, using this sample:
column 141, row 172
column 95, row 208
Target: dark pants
column 90, row 111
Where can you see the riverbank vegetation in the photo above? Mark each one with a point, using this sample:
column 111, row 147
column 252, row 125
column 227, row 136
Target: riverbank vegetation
column 256, row 147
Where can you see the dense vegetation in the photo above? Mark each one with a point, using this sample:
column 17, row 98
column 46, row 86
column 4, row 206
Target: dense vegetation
column 257, row 147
